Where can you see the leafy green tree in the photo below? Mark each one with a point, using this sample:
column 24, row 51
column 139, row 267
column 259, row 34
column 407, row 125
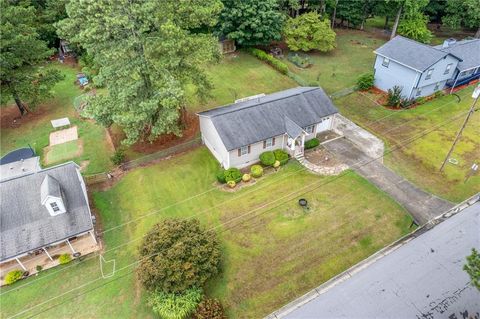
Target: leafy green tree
column 463, row 13
column 48, row 12
column 21, row 53
column 350, row 11
column 175, row 305
column 147, row 53
column 473, row 267
column 251, row 22
column 408, row 10
column 308, row 32
column 415, row 27
column 177, row 255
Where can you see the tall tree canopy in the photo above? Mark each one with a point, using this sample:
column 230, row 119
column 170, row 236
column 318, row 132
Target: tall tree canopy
column 464, row 13
column 308, row 32
column 146, row 52
column 21, row 52
column 251, row 22
column 48, row 13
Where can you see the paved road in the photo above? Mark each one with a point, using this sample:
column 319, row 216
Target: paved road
column 422, row 206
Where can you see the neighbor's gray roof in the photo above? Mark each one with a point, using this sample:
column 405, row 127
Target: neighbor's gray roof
column 50, row 187
column 421, row 279
column 25, row 224
column 13, row 169
column 467, row 50
column 255, row 120
column 411, row 53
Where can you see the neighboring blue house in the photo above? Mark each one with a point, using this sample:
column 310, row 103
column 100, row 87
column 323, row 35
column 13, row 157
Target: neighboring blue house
column 421, row 70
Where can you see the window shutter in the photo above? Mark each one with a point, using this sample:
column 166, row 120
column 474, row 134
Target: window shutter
column 264, row 144
column 273, row 141
column 239, row 152
column 248, row 149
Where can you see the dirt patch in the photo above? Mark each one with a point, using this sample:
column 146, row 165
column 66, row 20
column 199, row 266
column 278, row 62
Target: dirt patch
column 10, row 116
column 321, row 157
column 63, row 136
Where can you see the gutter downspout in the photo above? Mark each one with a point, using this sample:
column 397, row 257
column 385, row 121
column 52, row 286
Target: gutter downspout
column 417, row 79
column 455, row 82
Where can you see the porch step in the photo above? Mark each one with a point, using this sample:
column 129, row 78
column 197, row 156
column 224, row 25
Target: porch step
column 300, row 158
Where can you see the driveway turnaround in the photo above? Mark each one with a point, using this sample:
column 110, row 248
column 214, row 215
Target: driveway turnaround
column 422, row 206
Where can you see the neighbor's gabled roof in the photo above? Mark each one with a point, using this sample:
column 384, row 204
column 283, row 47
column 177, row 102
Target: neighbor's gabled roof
column 255, row 120
column 26, row 225
column 467, row 50
column 411, row 53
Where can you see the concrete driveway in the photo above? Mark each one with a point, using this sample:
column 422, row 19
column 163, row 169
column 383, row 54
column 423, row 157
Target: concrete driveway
column 422, row 206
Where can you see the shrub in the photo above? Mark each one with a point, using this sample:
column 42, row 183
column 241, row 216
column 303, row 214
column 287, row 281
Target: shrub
column 233, row 174
column 267, row 158
column 281, row 156
column 39, row 268
column 406, row 103
column 118, row 157
column 13, row 276
column 309, row 31
column 365, row 81
column 209, row 309
column 176, row 255
column 64, row 259
column 439, row 93
column 300, row 61
column 231, row 184
column 276, row 164
column 246, row 177
column 394, row 97
column 272, row 61
column 314, row 142
column 221, row 176
column 175, row 305
column 256, row 171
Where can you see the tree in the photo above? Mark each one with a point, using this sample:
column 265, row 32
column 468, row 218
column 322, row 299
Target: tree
column 415, row 27
column 251, row 22
column 463, row 13
column 21, row 52
column 308, row 32
column 350, row 11
column 146, row 53
column 473, row 267
column 177, row 255
column 48, row 12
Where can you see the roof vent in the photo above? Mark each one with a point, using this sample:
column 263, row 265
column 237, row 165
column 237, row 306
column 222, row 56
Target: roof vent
column 448, row 43
column 253, row 97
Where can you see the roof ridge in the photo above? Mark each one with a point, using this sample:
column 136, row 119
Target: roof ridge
column 420, row 43
column 310, row 88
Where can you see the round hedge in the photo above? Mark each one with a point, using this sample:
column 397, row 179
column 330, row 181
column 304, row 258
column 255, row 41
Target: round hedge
column 233, row 174
column 314, row 142
column 281, row 156
column 221, row 176
column 256, row 171
column 267, row 158
column 13, row 276
column 246, row 177
column 64, row 259
column 231, row 184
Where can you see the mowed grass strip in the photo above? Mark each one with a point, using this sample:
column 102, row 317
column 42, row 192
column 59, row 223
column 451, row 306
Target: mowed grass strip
column 272, row 254
column 420, row 160
column 65, row 151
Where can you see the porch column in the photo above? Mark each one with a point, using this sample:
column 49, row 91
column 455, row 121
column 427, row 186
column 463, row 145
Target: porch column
column 303, row 142
column 21, row 265
column 46, row 252
column 71, row 247
column 93, row 236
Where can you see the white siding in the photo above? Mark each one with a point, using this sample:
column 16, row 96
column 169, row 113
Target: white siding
column 395, row 74
column 212, row 140
column 255, row 150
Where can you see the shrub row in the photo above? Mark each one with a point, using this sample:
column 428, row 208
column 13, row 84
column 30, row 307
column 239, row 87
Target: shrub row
column 269, row 59
column 314, row 142
column 270, row 157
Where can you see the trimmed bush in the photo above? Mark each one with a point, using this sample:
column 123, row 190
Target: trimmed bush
column 231, row 184
column 64, row 259
column 175, row 305
column 365, row 81
column 269, row 59
column 276, row 164
column 233, row 174
column 209, row 309
column 246, row 177
column 39, row 268
column 221, row 176
column 267, row 158
column 13, row 276
column 256, row 171
column 314, row 142
column 281, row 156
column 118, row 157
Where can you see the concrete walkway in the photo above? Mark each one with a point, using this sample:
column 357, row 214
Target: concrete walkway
column 422, row 206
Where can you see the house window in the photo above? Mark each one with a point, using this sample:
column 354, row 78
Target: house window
column 309, row 129
column 437, row 86
column 244, row 150
column 419, row 91
column 447, row 69
column 386, row 62
column 429, row 74
column 54, row 207
column 269, row 142
column 462, row 73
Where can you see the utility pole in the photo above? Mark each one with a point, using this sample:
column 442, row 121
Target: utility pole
column 475, row 95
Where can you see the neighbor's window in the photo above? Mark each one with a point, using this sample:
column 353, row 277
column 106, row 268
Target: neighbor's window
column 386, row 62
column 54, row 207
column 243, row 151
column 268, row 143
column 447, row 69
column 309, row 129
column 437, row 85
column 429, row 74
column 419, row 91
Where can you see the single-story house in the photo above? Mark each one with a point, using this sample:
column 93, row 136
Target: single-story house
column 41, row 209
column 419, row 69
column 238, row 133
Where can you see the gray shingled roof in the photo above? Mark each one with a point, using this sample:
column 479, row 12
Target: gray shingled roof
column 25, row 224
column 255, row 120
column 467, row 50
column 292, row 129
column 411, row 53
column 50, row 187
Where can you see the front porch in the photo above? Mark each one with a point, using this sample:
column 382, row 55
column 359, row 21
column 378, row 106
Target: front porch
column 47, row 257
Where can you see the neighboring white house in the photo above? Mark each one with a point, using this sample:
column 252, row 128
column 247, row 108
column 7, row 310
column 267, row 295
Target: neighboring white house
column 419, row 69
column 238, row 133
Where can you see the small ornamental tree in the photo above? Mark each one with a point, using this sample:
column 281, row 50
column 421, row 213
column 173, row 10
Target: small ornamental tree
column 177, row 255
column 394, row 97
column 473, row 267
column 309, row 32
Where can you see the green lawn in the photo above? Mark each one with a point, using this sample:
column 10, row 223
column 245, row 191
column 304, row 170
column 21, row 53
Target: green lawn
column 62, row 152
column 272, row 253
column 35, row 130
column 341, row 67
column 420, row 161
